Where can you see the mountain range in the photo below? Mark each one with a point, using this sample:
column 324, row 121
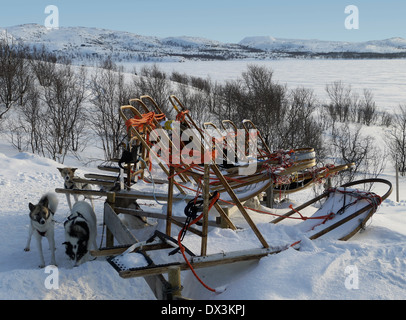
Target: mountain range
column 85, row 44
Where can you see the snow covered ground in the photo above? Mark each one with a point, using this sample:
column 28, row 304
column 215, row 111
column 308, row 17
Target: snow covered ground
column 384, row 78
column 371, row 265
column 318, row 271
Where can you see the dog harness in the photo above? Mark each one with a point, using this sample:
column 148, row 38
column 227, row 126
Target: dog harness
column 73, row 185
column 71, row 217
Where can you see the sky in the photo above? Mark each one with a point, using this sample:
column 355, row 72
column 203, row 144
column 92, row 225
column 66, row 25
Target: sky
column 223, row 20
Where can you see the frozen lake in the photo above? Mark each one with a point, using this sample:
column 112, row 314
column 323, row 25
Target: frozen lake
column 386, row 79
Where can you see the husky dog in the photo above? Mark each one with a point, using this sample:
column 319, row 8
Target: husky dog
column 80, row 232
column 42, row 225
column 68, row 174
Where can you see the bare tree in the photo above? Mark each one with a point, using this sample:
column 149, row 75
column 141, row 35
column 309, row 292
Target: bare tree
column 396, row 139
column 340, row 101
column 299, row 127
column 109, row 92
column 349, row 145
column 14, row 78
column 180, row 78
column 154, row 82
column 367, row 109
column 64, row 109
column 43, row 64
column 230, row 96
column 264, row 102
column 29, row 127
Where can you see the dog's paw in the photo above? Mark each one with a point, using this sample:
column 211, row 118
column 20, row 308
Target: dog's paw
column 26, row 249
column 41, row 266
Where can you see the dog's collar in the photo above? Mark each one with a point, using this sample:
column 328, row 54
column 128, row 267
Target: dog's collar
column 66, row 186
column 42, row 234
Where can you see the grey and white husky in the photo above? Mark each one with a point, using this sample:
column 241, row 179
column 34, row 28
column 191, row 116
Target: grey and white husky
column 42, row 225
column 80, row 232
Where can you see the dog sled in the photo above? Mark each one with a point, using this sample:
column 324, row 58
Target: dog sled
column 290, row 170
column 344, row 212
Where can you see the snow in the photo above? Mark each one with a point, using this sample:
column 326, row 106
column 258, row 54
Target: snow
column 322, row 269
column 384, row 78
column 317, row 271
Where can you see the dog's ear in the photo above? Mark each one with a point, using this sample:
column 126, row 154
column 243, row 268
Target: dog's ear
column 74, row 169
column 31, row 207
column 45, row 202
column 60, row 169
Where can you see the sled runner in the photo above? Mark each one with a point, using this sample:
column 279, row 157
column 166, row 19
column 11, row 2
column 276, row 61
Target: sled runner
column 345, row 211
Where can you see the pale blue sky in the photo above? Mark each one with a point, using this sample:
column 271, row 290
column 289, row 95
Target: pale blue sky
column 223, row 20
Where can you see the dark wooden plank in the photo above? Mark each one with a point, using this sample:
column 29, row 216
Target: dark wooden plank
column 159, row 286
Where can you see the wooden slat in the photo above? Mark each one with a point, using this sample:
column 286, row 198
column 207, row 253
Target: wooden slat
column 117, row 228
column 170, row 201
column 126, row 194
column 109, row 168
column 204, row 262
column 100, row 176
column 113, row 251
column 82, row 192
column 142, row 213
column 94, row 181
column 156, row 282
column 206, row 197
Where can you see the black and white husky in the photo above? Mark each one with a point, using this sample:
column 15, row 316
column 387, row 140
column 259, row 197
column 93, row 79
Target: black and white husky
column 42, row 225
column 68, row 175
column 80, row 232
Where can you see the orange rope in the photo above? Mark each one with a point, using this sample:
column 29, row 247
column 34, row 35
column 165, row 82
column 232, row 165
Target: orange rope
column 181, row 116
column 146, row 119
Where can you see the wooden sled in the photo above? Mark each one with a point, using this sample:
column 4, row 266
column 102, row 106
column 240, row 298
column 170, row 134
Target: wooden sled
column 345, row 211
column 287, row 170
column 261, row 180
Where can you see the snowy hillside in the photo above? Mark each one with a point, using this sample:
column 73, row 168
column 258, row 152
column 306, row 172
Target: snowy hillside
column 86, row 45
column 267, row 43
column 92, row 44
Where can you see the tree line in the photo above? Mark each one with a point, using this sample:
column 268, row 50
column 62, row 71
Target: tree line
column 59, row 108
